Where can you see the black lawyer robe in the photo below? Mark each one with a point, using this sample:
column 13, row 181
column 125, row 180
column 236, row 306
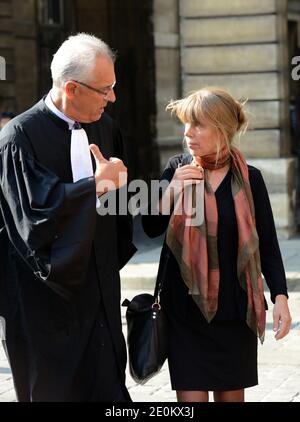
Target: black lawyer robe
column 59, row 262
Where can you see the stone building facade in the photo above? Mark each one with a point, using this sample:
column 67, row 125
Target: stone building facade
column 246, row 47
column 166, row 49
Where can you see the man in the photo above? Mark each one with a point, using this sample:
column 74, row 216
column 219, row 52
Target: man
column 60, row 260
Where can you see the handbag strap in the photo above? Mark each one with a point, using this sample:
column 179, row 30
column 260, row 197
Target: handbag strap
column 161, row 275
column 185, row 159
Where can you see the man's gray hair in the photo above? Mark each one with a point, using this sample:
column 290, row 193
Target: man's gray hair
column 76, row 56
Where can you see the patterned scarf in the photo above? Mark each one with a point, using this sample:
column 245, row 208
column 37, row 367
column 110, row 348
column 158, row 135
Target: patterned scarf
column 196, row 250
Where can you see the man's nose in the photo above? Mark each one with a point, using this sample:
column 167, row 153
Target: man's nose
column 111, row 96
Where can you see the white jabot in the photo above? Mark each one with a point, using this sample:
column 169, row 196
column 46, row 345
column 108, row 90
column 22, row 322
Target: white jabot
column 81, row 160
column 80, row 155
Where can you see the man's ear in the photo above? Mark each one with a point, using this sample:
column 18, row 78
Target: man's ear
column 70, row 89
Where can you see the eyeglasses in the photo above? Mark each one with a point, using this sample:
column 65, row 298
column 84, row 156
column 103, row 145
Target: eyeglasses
column 99, row 91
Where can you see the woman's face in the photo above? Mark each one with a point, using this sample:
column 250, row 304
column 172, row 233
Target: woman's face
column 201, row 139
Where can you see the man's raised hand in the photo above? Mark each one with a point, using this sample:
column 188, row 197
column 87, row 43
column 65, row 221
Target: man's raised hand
column 110, row 174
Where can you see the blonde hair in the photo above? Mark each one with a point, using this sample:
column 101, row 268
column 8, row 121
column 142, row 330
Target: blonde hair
column 217, row 108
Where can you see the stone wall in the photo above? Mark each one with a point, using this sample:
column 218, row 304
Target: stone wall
column 239, row 45
column 18, row 47
column 7, row 88
column 167, row 74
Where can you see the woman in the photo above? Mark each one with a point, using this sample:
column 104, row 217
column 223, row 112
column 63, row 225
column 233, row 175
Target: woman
column 213, row 289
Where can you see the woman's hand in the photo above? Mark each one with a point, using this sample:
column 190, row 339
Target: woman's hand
column 281, row 317
column 188, row 172
column 183, row 176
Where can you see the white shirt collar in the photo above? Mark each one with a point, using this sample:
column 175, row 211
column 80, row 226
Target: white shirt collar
column 49, row 103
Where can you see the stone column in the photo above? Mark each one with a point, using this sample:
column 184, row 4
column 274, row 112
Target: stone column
column 241, row 45
column 167, row 74
column 7, row 88
column 25, row 53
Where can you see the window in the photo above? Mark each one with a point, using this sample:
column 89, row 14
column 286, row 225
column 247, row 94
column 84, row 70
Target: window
column 51, row 12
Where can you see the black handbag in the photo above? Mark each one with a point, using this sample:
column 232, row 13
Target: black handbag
column 147, row 333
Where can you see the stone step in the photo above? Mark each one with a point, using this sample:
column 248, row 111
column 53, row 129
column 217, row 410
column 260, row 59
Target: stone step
column 143, row 277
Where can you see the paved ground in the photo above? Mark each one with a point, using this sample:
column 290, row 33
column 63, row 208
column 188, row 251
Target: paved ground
column 279, row 361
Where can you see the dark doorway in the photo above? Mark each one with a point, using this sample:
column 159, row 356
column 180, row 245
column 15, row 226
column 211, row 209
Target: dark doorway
column 56, row 21
column 126, row 25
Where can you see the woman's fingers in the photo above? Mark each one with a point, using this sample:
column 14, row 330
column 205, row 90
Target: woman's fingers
column 189, row 174
column 283, row 328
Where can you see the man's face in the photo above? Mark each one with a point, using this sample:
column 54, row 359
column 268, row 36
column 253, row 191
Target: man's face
column 92, row 95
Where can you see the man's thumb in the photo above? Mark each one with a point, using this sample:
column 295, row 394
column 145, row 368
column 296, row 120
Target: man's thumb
column 97, row 153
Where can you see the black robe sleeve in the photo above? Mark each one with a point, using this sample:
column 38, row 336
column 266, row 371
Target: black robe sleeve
column 271, row 260
column 50, row 224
